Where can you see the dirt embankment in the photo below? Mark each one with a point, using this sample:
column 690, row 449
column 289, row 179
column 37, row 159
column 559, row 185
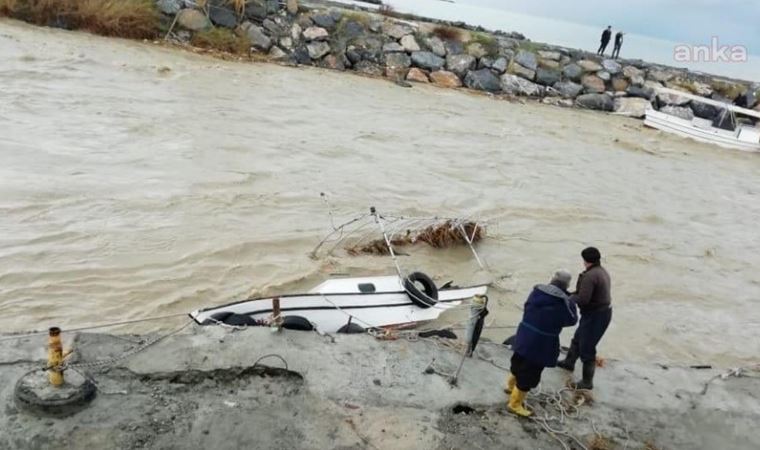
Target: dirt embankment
column 215, row 388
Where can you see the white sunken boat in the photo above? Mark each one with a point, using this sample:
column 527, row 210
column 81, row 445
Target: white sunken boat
column 741, row 136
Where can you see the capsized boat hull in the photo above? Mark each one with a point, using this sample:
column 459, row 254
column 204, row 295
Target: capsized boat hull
column 329, row 305
column 707, row 134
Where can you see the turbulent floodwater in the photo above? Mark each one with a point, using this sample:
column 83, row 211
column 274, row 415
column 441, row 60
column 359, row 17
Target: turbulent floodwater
column 137, row 180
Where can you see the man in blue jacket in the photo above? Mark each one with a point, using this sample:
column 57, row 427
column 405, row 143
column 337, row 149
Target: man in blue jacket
column 536, row 345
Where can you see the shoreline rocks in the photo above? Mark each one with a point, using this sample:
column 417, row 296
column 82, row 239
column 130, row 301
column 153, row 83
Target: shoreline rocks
column 453, row 55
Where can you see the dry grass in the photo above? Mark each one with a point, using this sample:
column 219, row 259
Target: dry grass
column 444, row 235
column 123, row 18
column 223, row 40
column 448, row 33
column 729, row 90
column 489, row 43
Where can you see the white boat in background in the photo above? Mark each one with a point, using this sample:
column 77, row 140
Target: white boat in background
column 740, row 135
column 370, row 302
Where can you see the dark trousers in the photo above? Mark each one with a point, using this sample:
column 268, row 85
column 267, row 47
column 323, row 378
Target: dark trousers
column 588, row 334
column 616, row 51
column 602, row 48
column 528, row 373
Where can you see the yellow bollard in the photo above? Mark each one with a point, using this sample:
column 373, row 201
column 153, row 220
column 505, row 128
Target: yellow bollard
column 55, row 357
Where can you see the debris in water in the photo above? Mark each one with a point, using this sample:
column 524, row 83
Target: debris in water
column 443, row 235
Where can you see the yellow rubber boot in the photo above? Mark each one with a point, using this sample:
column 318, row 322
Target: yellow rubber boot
column 511, row 382
column 516, row 405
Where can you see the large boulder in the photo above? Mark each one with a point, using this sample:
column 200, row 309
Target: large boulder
column 485, row 62
column 396, row 30
column 612, row 67
column 427, row 60
column 395, row 61
column 512, row 84
column 500, row 64
column 292, row 7
column 445, row 79
column 300, row 55
column 315, row 34
column 704, row 110
column 170, row 7
column 604, row 75
column 573, row 72
column 333, row 62
column 590, row 66
column 391, row 47
column 548, row 64
column 410, row 43
column 482, row 80
column 641, row 92
column 547, row 77
column 553, row 56
column 678, row 111
column 524, row 72
column 369, row 68
column 703, row 89
column 672, row 99
column 568, row 89
column 620, row 84
column 193, row 20
column 259, row 10
column 436, row 46
column 258, row 38
column 660, row 75
column 631, row 72
column 275, row 29
column 460, row 64
column 318, row 49
column 453, row 47
column 632, row 106
column 526, row 59
column 352, row 29
column 593, row 84
column 222, row 17
column 601, row 102
column 417, row 75
column 323, row 20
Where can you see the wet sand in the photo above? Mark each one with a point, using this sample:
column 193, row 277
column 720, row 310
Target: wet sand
column 129, row 190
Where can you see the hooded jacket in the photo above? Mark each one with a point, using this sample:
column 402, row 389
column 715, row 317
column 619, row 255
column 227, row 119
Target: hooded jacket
column 547, row 310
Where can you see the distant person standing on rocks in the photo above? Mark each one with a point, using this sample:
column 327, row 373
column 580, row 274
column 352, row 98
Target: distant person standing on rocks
column 618, row 45
column 536, row 345
column 606, row 35
column 594, row 300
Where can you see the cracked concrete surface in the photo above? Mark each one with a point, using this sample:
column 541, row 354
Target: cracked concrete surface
column 200, row 389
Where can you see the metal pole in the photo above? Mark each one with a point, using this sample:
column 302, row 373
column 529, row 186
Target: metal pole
column 469, row 242
column 373, row 212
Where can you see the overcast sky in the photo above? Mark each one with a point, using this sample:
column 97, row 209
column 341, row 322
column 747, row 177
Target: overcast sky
column 735, row 22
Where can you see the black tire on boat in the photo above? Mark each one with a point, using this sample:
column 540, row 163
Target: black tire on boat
column 297, row 323
column 426, row 298
column 351, row 328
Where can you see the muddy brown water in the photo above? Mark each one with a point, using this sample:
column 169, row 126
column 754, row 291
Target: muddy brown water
column 137, row 180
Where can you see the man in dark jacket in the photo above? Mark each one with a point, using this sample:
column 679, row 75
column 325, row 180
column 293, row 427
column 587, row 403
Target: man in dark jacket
column 606, row 35
column 593, row 299
column 536, row 345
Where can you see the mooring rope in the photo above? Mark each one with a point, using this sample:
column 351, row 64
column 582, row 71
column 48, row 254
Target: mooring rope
column 93, row 327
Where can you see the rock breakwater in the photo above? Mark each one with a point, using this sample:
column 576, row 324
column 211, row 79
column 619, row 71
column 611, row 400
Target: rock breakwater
column 456, row 55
